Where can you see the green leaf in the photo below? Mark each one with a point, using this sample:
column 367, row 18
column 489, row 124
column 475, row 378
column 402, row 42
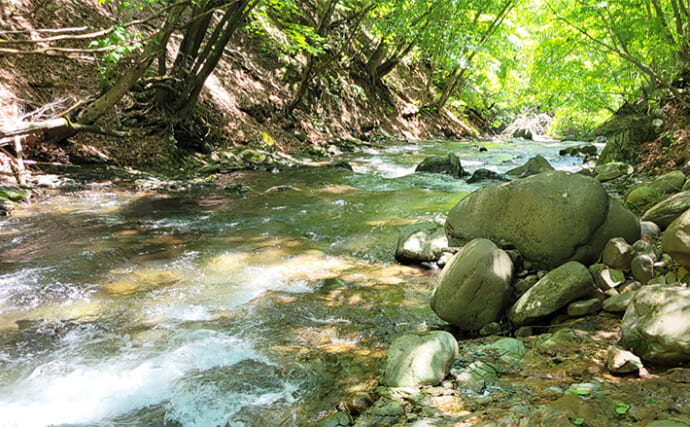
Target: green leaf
column 622, row 408
column 578, row 421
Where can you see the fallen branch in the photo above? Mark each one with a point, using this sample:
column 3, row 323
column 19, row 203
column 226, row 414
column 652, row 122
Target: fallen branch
column 48, row 30
column 53, row 51
column 59, row 128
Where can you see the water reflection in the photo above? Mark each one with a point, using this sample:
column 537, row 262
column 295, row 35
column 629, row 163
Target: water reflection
column 206, row 308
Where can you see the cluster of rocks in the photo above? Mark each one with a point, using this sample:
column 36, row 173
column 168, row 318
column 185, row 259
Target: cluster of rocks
column 451, row 165
column 542, row 249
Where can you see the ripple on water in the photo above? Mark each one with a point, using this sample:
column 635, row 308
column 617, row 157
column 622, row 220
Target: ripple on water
column 85, row 390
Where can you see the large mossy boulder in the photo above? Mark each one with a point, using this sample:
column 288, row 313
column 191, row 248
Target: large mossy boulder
column 535, row 165
column 420, row 359
column 612, row 170
column 474, row 287
column 449, row 165
column 567, row 283
column 644, row 195
column 676, row 239
column 551, row 218
column 667, row 210
column 625, row 135
column 656, row 326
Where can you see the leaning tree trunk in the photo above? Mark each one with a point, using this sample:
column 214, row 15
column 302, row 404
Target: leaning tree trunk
column 321, row 26
column 133, row 74
column 199, row 55
column 65, row 127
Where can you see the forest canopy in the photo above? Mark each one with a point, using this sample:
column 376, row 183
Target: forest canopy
column 578, row 60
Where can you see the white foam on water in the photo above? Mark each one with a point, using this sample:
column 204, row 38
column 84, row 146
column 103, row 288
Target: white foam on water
column 80, row 392
column 206, row 403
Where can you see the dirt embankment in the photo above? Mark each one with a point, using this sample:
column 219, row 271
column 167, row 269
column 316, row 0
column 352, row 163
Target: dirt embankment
column 245, row 100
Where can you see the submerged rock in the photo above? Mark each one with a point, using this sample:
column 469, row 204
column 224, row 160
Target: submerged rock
column 420, row 359
column 449, row 165
column 655, row 325
column 480, row 366
column 535, row 165
column 420, row 243
column 551, row 218
column 486, row 175
column 579, row 151
column 554, row 291
column 474, row 287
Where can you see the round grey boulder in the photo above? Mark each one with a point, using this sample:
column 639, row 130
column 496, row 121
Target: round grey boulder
column 474, row 287
column 655, row 325
column 420, row 359
column 567, row 283
column 642, row 267
column 617, row 254
column 551, row 218
column 676, row 239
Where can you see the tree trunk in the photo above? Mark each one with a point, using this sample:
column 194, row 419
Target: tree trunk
column 321, row 26
column 198, row 57
column 132, row 75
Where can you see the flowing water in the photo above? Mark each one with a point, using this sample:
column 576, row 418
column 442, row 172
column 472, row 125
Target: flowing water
column 204, row 308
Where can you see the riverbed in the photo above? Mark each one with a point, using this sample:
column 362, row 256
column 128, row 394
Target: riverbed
column 208, row 307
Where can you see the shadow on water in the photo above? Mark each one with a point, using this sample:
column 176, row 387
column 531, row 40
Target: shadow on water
column 210, row 307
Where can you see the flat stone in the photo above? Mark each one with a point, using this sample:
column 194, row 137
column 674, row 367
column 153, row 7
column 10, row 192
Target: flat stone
column 584, row 307
column 606, row 278
column 618, row 303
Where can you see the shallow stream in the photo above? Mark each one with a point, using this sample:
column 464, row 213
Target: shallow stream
column 204, row 308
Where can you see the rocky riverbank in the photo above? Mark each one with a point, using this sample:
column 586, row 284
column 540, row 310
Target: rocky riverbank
column 583, row 309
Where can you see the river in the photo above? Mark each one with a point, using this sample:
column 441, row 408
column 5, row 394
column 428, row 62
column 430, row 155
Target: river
column 204, row 308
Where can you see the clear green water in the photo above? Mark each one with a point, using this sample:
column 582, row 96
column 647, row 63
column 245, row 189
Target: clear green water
column 204, row 309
